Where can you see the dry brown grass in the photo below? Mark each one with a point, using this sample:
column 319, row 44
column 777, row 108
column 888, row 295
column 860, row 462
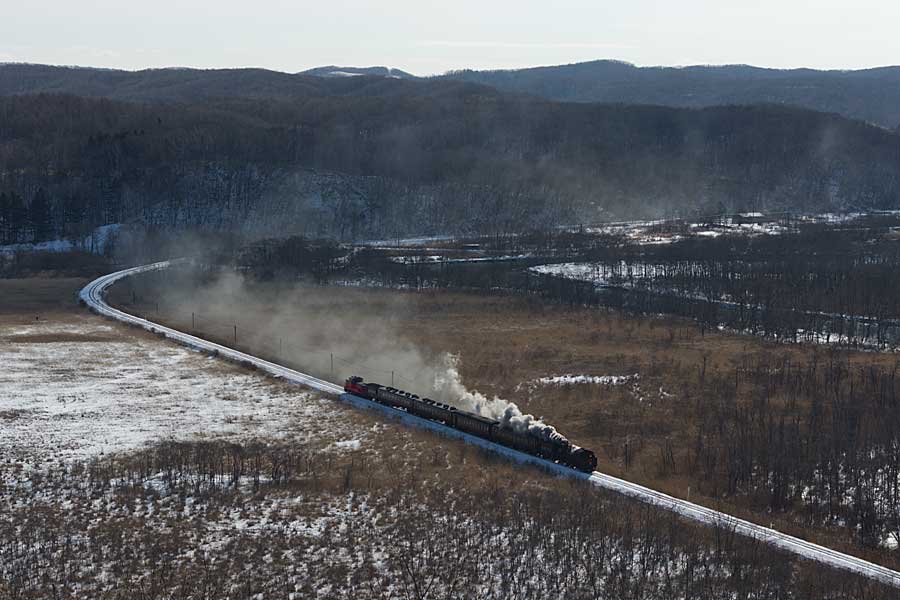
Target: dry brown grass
column 58, row 338
column 52, row 301
column 506, row 341
column 39, row 296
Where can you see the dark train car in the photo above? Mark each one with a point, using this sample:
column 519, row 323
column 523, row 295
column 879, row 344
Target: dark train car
column 397, row 398
column 556, row 450
column 428, row 408
column 517, row 441
column 476, row 425
column 423, row 408
column 448, row 414
column 371, row 390
column 392, row 397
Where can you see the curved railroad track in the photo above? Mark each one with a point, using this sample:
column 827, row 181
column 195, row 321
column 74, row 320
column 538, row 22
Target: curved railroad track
column 93, row 295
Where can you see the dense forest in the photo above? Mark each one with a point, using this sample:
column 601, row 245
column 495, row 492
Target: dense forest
column 869, row 94
column 382, row 157
column 830, row 283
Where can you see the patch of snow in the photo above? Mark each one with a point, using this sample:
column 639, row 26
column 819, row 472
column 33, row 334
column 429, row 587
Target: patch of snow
column 586, row 379
column 348, row 445
column 97, row 242
column 49, row 246
column 112, row 392
column 411, row 241
column 441, row 259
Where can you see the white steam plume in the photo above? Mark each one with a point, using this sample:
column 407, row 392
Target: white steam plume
column 334, row 334
column 449, row 387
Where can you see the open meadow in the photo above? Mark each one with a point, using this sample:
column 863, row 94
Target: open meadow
column 701, row 415
column 130, row 467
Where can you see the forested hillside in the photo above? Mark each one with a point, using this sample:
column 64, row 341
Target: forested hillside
column 406, row 157
column 871, row 94
column 193, row 85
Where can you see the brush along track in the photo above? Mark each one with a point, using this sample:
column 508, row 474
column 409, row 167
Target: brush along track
column 93, row 296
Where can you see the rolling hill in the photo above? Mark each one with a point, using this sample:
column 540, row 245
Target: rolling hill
column 387, row 157
column 871, row 95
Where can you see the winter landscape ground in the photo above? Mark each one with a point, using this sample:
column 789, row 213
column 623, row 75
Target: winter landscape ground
column 637, row 389
column 191, row 477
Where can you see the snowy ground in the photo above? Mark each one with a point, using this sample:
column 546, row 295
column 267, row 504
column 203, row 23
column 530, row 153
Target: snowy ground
column 585, row 379
column 577, row 380
column 83, row 388
column 654, row 232
column 77, row 390
column 80, row 388
column 97, row 242
column 638, row 276
column 435, row 259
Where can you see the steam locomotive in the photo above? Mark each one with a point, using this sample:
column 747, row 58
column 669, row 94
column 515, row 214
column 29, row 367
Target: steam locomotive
column 556, row 450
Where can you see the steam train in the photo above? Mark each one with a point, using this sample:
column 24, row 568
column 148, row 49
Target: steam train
column 556, row 450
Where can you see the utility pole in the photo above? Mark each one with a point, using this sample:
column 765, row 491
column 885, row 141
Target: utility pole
column 235, row 335
column 392, row 379
column 332, row 363
column 193, row 326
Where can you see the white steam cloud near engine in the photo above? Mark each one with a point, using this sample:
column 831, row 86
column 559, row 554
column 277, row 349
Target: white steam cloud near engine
column 359, row 333
column 448, row 386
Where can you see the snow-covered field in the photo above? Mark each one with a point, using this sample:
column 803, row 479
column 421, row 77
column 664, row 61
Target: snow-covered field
column 85, row 388
column 622, row 274
column 655, row 231
column 172, row 522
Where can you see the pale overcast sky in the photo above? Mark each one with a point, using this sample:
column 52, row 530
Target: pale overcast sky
column 431, row 37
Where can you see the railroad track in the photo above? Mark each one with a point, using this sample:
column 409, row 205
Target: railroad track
column 93, row 296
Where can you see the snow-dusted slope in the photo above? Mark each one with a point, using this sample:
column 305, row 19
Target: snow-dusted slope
column 93, row 296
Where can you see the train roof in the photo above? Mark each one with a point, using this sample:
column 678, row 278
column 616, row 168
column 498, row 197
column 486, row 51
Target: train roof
column 458, row 411
column 475, row 417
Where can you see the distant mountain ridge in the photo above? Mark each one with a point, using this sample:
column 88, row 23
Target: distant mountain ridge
column 871, row 95
column 335, row 71
column 192, row 85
